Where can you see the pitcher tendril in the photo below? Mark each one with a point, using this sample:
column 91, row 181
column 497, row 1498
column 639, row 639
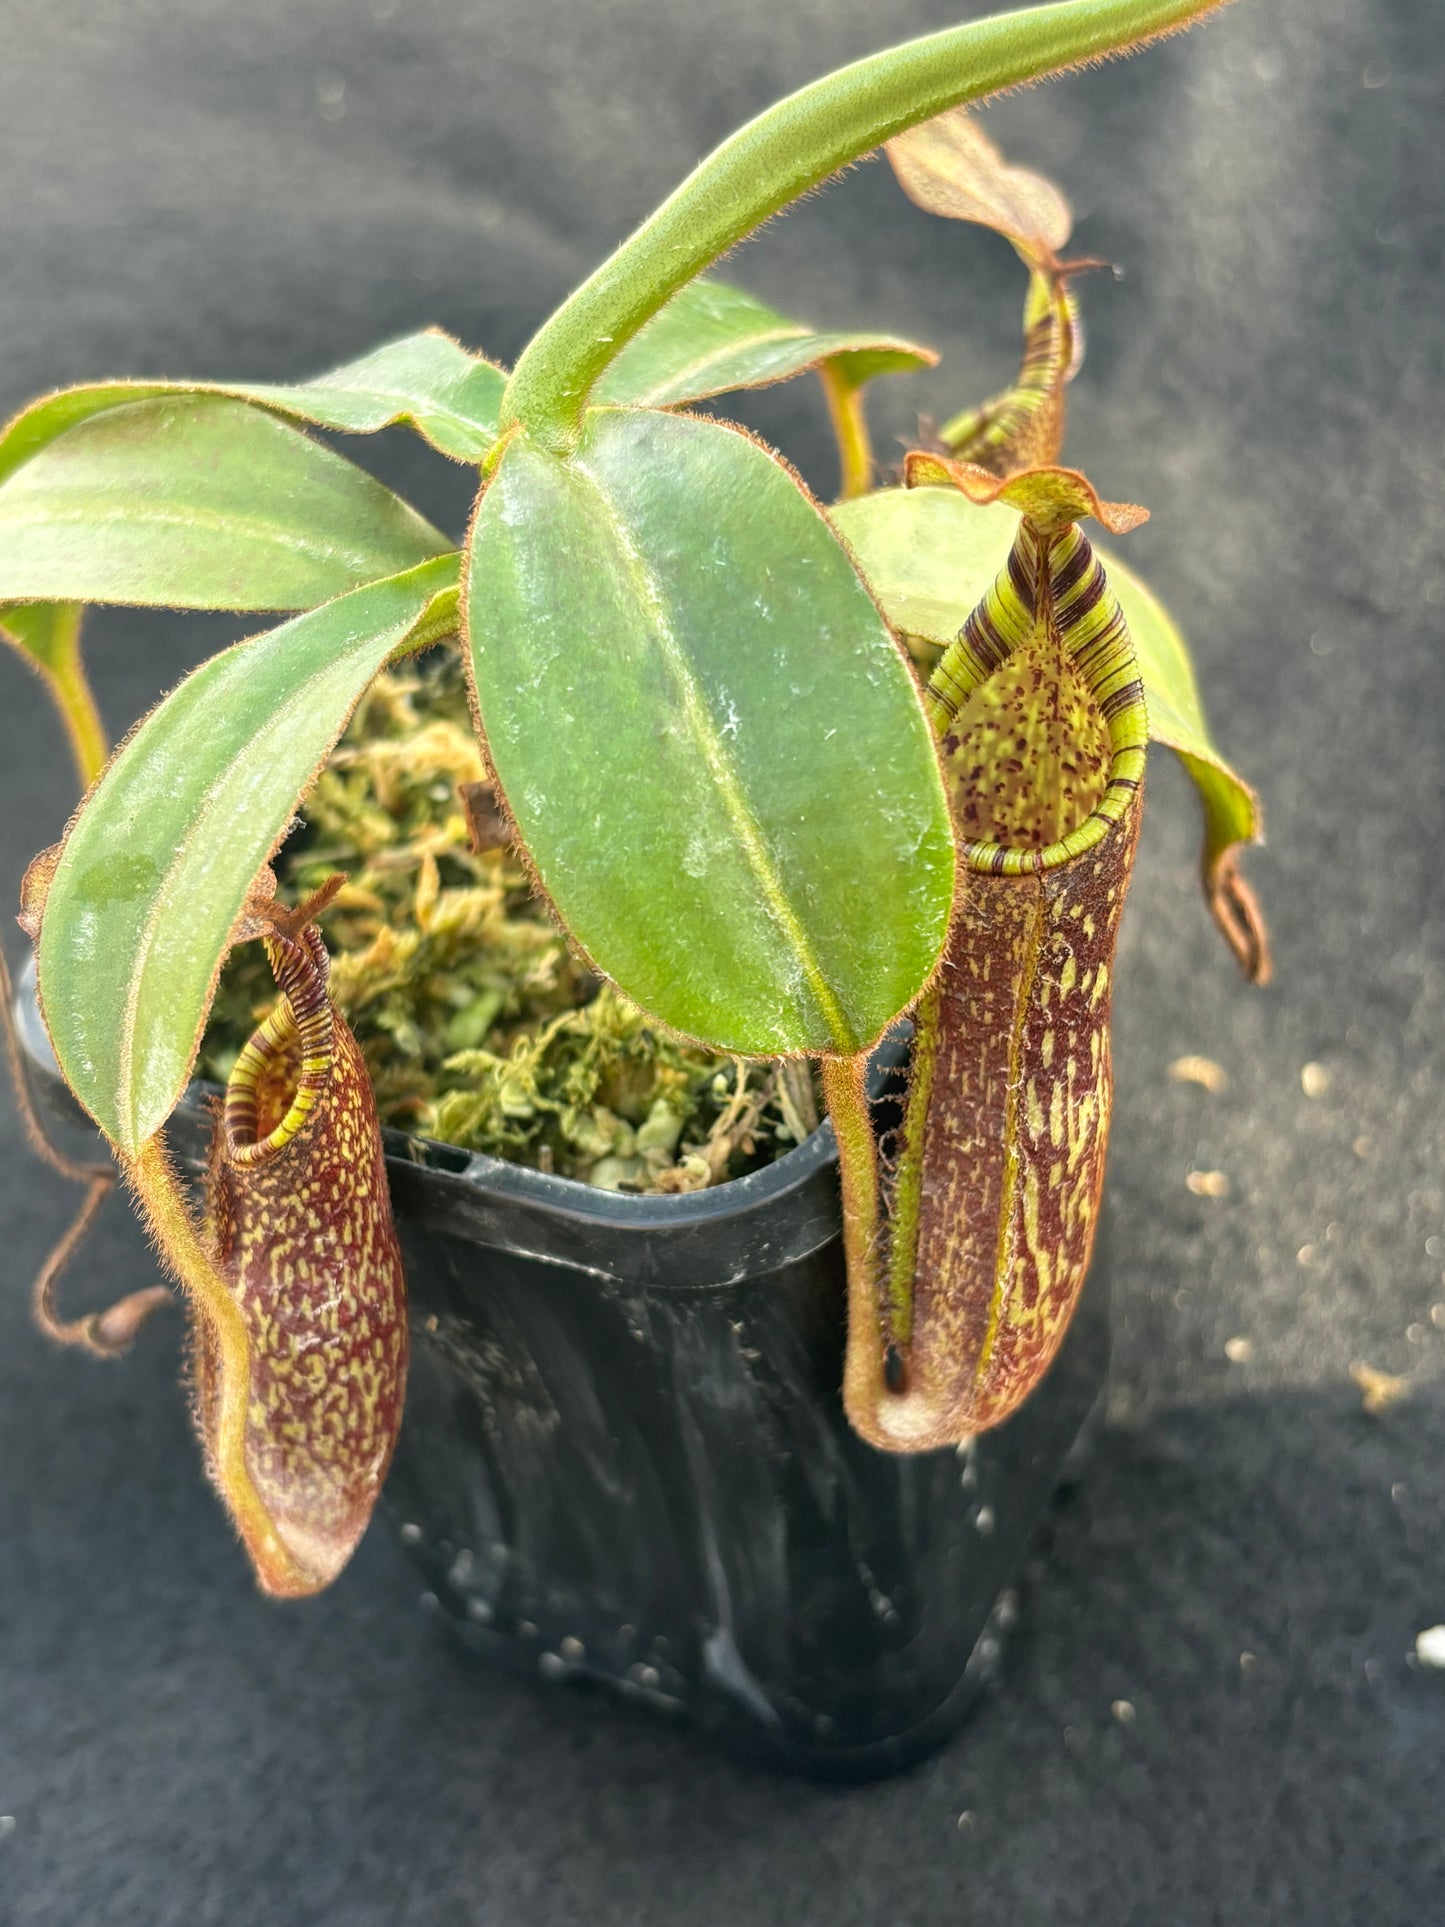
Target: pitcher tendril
column 107, row 1333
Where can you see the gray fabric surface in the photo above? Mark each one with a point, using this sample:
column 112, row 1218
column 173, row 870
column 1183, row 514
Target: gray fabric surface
column 260, row 191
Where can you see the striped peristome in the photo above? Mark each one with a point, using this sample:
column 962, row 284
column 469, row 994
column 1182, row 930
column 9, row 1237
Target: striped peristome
column 301, row 1028
column 1053, row 590
column 962, row 1291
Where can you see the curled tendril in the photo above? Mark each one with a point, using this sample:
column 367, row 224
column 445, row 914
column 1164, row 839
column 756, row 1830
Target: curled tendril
column 107, row 1333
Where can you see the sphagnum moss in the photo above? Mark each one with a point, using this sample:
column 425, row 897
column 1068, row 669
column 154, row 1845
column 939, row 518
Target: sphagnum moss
column 478, row 1024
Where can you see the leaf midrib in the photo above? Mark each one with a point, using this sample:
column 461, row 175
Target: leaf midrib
column 718, row 763
column 276, row 534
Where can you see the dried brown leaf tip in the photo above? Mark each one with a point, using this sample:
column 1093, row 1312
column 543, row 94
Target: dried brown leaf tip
column 35, row 888
column 296, row 1280
column 486, row 820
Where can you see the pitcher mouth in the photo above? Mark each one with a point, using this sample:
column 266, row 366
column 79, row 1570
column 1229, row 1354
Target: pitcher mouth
column 1126, row 780
column 285, row 1067
column 1052, row 585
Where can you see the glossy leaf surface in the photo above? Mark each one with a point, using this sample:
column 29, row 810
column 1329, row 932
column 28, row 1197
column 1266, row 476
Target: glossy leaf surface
column 711, row 744
column 930, row 556
column 924, row 552
column 158, row 862
column 1176, row 715
column 711, row 338
column 190, row 501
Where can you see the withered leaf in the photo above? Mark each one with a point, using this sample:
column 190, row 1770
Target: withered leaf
column 949, row 166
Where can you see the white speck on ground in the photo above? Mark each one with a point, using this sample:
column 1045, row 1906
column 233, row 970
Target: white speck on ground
column 1199, row 1070
column 1378, row 1390
column 1208, row 1184
column 1430, row 1647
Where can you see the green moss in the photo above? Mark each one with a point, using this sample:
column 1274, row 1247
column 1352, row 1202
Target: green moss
column 480, row 1026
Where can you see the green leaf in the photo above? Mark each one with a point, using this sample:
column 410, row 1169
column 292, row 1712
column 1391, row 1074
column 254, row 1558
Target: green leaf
column 929, row 555
column 1176, row 715
column 47, row 635
column 780, row 155
column 156, row 866
column 428, row 380
column 192, row 501
column 712, row 746
column 711, row 338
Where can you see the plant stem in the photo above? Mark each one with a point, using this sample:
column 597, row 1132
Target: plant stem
column 845, row 1093
column 71, row 689
column 850, row 430
column 785, row 152
column 47, row 634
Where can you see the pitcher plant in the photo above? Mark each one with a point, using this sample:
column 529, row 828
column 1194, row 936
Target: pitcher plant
column 784, row 775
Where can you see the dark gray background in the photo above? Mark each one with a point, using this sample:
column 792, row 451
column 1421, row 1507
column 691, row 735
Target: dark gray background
column 197, row 187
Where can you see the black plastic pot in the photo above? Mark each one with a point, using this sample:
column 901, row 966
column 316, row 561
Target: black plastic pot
column 625, row 1458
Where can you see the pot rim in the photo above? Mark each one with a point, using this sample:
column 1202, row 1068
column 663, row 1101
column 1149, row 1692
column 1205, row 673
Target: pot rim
column 767, row 1218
